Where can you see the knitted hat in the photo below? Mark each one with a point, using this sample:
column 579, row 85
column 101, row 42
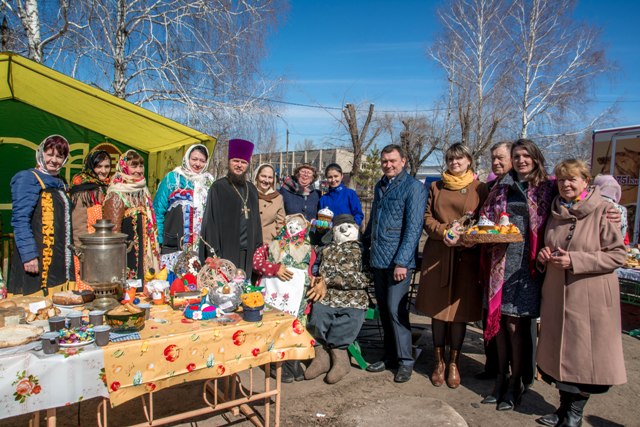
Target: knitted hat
column 609, row 187
column 240, row 149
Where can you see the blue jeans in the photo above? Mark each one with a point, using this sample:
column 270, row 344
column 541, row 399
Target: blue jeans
column 391, row 297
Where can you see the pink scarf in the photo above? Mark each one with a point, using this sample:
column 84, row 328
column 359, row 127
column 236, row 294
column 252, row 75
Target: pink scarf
column 539, row 201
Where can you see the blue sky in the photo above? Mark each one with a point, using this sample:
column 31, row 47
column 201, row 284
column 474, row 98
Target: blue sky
column 332, row 52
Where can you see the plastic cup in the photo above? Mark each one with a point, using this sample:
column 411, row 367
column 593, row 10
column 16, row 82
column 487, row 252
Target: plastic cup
column 147, row 309
column 56, row 323
column 50, row 342
column 101, row 335
column 75, row 319
column 96, row 317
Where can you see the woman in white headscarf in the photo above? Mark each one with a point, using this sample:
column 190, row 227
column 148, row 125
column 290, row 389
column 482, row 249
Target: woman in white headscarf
column 179, row 204
column 41, row 220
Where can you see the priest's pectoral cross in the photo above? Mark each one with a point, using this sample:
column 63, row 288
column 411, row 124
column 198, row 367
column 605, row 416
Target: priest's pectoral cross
column 245, row 210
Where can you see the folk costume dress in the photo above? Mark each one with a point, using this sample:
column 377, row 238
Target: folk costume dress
column 179, row 206
column 297, row 255
column 87, row 195
column 128, row 205
column 41, row 220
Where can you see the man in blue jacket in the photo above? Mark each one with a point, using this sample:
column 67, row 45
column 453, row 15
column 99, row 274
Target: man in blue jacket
column 392, row 235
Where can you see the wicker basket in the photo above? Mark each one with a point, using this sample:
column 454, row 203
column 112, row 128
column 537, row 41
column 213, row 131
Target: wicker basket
column 187, row 262
column 475, row 239
column 223, row 271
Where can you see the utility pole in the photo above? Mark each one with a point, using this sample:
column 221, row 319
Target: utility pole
column 287, row 151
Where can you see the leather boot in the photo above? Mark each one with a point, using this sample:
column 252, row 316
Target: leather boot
column 319, row 365
column 559, row 415
column 437, row 377
column 498, row 390
column 340, row 365
column 453, row 378
column 575, row 410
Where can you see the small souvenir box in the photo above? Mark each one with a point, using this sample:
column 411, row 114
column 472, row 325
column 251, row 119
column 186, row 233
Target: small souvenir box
column 182, row 299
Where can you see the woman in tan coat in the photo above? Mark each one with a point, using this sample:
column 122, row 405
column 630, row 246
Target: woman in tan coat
column 580, row 347
column 270, row 202
column 449, row 289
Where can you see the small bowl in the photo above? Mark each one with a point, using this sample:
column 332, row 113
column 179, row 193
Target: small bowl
column 131, row 322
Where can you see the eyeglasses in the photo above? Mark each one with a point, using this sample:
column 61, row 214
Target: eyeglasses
column 306, row 172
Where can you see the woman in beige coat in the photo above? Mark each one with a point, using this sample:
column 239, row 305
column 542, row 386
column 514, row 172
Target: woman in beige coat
column 580, row 347
column 270, row 202
column 449, row 290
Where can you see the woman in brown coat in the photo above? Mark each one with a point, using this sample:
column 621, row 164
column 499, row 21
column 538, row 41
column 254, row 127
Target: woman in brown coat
column 270, row 201
column 580, row 347
column 449, row 289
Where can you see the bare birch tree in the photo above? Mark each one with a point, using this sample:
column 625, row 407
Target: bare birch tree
column 195, row 61
column 360, row 139
column 38, row 33
column 472, row 52
column 555, row 59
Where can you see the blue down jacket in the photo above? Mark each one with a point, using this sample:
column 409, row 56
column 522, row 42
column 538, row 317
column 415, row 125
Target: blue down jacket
column 395, row 223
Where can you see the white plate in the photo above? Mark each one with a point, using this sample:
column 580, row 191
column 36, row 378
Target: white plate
column 69, row 306
column 77, row 344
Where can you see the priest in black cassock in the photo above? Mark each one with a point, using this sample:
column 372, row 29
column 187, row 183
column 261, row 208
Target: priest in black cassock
column 231, row 223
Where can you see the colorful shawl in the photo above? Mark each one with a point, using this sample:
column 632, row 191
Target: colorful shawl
column 539, row 199
column 88, row 180
column 292, row 185
column 134, row 194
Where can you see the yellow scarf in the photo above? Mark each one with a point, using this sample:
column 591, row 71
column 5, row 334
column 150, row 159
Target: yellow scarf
column 452, row 182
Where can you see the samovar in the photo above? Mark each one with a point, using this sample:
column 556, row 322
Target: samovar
column 103, row 258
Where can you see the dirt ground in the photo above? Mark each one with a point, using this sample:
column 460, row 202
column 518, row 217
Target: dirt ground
column 364, row 398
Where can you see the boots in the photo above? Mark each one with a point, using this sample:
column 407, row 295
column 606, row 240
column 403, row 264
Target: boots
column 453, row 378
column 559, row 415
column 575, row 410
column 319, row 365
column 513, row 396
column 498, row 390
column 437, row 377
column 340, row 365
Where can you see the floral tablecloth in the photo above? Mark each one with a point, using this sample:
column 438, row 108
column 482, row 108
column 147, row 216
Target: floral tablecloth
column 31, row 381
column 173, row 350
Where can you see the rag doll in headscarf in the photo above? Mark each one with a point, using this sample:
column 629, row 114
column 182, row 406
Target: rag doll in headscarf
column 179, row 204
column 341, row 300
column 128, row 205
column 285, row 267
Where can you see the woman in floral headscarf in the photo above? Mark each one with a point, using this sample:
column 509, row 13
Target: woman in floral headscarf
column 179, row 204
column 41, row 220
column 128, row 205
column 88, row 190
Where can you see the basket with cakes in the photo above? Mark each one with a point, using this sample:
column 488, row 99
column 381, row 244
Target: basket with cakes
column 486, row 231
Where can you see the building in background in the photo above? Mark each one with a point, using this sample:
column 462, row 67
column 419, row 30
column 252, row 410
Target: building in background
column 285, row 162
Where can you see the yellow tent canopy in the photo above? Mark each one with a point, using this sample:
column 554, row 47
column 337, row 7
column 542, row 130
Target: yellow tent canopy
column 36, row 101
column 39, row 86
